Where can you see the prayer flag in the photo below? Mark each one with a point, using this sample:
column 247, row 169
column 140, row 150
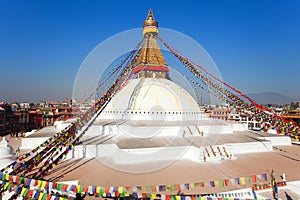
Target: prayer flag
column 59, row 186
column 98, row 189
column 226, row 182
column 253, row 179
column 238, row 180
column 153, row 188
column 187, row 186
column 258, row 176
column 41, row 194
column 216, row 183
column 85, row 188
column 248, row 179
column 243, row 180
column 120, row 189
column 264, row 177
column 29, row 193
column 172, row 187
column 153, row 196
column 222, row 183
column 148, row 188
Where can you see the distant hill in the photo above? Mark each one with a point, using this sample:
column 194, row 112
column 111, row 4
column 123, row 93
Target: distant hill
column 271, row 98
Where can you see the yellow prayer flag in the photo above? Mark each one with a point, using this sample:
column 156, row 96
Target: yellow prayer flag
column 44, row 184
column 217, row 183
column 177, row 197
column 7, row 177
column 41, row 196
column 22, row 191
column 243, row 180
column 39, row 183
column 98, row 188
column 153, row 196
column 6, row 185
column 168, row 187
column 120, row 189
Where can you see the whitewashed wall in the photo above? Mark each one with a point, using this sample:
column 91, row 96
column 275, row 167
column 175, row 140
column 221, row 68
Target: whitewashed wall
column 278, row 140
column 250, row 147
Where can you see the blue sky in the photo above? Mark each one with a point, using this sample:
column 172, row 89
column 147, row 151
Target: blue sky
column 254, row 43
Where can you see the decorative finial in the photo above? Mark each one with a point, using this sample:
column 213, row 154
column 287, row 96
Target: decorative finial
column 150, row 24
column 150, row 15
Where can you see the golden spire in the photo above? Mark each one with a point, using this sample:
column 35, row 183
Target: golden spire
column 150, row 62
column 150, row 24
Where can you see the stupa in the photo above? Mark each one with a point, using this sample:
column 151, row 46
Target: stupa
column 153, row 133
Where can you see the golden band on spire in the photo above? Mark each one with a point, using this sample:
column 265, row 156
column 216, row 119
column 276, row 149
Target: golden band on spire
column 150, row 24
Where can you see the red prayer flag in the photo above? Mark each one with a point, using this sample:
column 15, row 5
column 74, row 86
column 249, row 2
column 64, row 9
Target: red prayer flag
column 49, row 197
column 17, row 179
column 226, row 182
column 201, row 184
column 64, row 187
column 107, row 190
column 153, row 188
column 29, row 193
column 253, row 178
column 128, row 188
column 144, row 195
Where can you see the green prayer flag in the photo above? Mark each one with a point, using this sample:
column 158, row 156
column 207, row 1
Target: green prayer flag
column 81, row 188
column 102, row 190
column 59, row 186
column 222, row 183
column 9, row 186
column 22, row 180
column 25, row 192
column 248, row 179
column 44, row 196
column 148, row 188
column 172, row 187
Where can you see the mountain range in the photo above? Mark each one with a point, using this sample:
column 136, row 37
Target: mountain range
column 271, row 98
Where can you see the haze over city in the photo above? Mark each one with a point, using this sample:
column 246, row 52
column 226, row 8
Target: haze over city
column 255, row 44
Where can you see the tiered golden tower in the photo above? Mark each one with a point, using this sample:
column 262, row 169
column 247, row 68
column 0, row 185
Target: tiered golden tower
column 150, row 62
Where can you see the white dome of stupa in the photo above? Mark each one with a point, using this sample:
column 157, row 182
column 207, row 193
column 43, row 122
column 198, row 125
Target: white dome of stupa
column 152, row 94
column 151, row 99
